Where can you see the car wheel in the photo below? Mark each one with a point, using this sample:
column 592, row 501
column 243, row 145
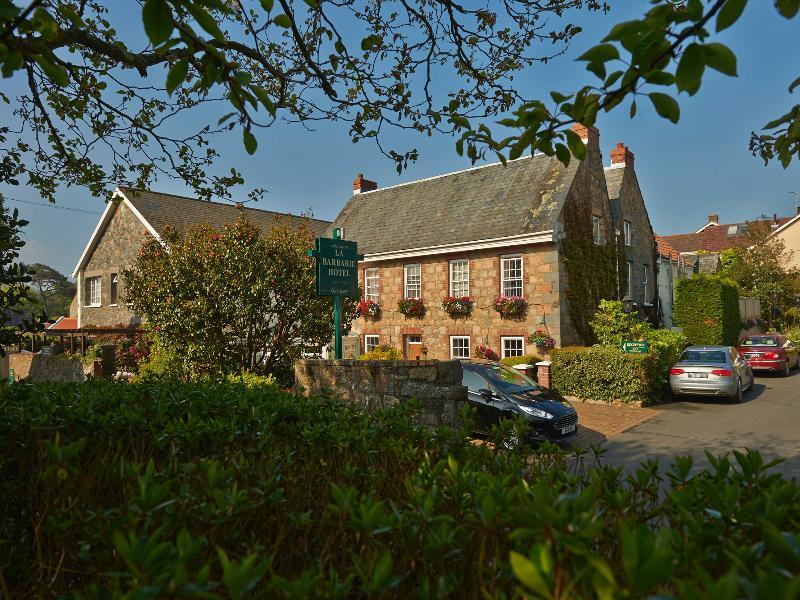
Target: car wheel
column 739, row 394
column 785, row 372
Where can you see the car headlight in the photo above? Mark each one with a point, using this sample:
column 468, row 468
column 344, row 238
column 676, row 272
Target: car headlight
column 536, row 412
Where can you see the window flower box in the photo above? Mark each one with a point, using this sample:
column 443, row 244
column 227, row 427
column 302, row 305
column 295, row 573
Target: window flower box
column 510, row 307
column 411, row 307
column 485, row 352
column 369, row 309
column 542, row 340
column 457, row 306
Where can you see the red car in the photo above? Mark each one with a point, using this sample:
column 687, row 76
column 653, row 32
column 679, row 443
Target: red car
column 770, row 352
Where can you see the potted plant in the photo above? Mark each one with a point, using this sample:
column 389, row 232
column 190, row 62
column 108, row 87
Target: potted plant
column 510, row 307
column 457, row 306
column 542, row 340
column 411, row 307
column 369, row 309
column 485, row 351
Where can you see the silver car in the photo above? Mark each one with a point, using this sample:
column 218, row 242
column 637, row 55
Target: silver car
column 711, row 371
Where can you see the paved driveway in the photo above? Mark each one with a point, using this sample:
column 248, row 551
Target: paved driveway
column 768, row 420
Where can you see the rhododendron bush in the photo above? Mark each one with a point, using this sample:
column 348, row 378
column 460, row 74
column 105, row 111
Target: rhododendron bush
column 234, row 299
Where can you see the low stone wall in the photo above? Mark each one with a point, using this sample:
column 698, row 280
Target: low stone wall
column 38, row 368
column 371, row 385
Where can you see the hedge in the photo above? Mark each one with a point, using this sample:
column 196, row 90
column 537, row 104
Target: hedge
column 605, row 373
column 220, row 490
column 707, row 309
column 530, row 359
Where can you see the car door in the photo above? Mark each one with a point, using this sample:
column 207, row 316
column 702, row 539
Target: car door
column 743, row 368
column 486, row 409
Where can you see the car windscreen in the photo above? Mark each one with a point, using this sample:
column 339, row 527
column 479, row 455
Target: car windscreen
column 711, row 356
column 505, row 379
column 760, row 340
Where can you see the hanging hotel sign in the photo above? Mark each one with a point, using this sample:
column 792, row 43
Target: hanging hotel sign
column 337, row 267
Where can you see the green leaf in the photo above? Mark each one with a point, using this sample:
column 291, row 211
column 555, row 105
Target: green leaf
column 265, row 99
column 528, row 574
column 312, row 3
column 283, row 21
column 788, row 8
column 563, row 154
column 600, row 53
column 666, row 106
column 177, row 75
column 623, row 30
column 576, row 145
column 205, row 20
column 721, row 58
column 56, row 73
column 730, row 13
column 690, row 69
column 794, row 85
column 158, row 23
column 267, row 4
column 250, row 143
column 559, row 98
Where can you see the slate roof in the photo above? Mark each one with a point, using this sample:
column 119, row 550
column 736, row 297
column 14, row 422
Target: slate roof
column 487, row 202
column 614, row 177
column 713, row 238
column 180, row 212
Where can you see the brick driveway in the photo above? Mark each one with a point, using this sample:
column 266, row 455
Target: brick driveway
column 601, row 422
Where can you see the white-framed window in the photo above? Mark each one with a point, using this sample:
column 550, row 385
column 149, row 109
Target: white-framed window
column 630, row 279
column 596, row 233
column 370, row 343
column 645, row 281
column 628, row 231
column 114, row 288
column 412, row 284
column 459, row 346
column 459, row 278
column 94, row 286
column 511, row 275
column 512, row 346
column 372, row 284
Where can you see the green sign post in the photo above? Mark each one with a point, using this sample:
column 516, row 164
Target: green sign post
column 337, row 276
column 635, row 347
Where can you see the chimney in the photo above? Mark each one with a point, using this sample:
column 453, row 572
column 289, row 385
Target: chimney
column 589, row 135
column 622, row 156
column 361, row 185
column 713, row 218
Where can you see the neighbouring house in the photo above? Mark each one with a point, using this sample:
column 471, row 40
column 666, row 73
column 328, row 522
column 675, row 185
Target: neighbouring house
column 789, row 232
column 632, row 226
column 672, row 267
column 128, row 220
column 533, row 230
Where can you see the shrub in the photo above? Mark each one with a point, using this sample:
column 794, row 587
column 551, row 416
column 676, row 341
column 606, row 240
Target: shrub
column 605, row 373
column 530, row 359
column 707, row 308
column 794, row 335
column 116, row 490
column 486, row 352
column 163, row 363
column 384, row 352
column 667, row 346
column 612, row 325
column 253, row 381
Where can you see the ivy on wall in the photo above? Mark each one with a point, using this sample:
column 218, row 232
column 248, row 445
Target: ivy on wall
column 594, row 272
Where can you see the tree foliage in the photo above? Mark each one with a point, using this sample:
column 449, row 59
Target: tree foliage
column 103, row 105
column 233, row 300
column 51, row 291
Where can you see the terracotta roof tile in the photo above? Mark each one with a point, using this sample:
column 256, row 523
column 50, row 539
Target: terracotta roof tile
column 712, row 238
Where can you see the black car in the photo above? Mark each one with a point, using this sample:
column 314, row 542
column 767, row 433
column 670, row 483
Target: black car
column 500, row 392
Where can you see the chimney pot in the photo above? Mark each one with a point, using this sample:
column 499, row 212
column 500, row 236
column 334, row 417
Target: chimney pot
column 713, row 218
column 589, row 135
column 361, row 185
column 621, row 155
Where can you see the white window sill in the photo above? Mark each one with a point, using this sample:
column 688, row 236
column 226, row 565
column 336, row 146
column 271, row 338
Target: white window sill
column 93, row 306
column 113, row 304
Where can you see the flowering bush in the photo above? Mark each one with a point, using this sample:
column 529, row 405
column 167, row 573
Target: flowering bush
column 510, row 307
column 541, row 339
column 129, row 353
column 486, row 352
column 455, row 306
column 369, row 309
column 411, row 307
column 382, row 352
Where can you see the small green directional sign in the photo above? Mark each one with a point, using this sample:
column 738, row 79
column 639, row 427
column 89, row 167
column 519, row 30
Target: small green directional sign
column 635, row 347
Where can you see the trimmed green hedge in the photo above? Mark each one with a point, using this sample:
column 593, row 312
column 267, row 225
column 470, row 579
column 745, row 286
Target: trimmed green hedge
column 111, row 490
column 530, row 359
column 707, row 308
column 605, row 373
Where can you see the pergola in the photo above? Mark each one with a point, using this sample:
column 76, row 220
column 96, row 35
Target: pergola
column 66, row 327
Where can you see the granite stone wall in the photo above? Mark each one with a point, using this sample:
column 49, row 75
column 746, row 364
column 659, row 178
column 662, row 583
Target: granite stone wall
column 38, row 368
column 115, row 251
column 372, row 385
column 484, row 324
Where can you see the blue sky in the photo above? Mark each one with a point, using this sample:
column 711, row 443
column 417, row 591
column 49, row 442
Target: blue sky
column 686, row 171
